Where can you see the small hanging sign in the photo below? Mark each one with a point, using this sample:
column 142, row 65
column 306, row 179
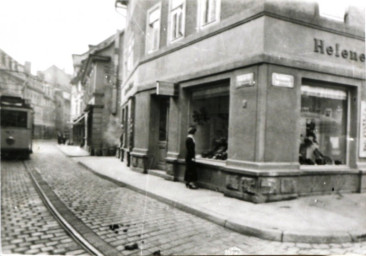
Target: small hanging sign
column 166, row 88
column 245, row 80
column 282, row 80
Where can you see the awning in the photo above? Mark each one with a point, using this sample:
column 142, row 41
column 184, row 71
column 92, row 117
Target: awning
column 321, row 92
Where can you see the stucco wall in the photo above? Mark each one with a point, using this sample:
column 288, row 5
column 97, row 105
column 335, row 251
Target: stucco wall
column 216, row 51
column 280, row 42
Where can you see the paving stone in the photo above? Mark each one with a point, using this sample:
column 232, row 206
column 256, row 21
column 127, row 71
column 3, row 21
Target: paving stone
column 8, row 247
column 59, row 251
column 33, row 251
column 76, row 252
column 47, row 236
column 17, row 241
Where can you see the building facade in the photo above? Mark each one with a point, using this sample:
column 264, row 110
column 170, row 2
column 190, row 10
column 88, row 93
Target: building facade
column 276, row 90
column 95, row 97
column 60, row 81
column 16, row 79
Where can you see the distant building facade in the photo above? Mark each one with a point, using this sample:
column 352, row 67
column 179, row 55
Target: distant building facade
column 276, row 90
column 60, row 81
column 16, row 79
column 94, row 104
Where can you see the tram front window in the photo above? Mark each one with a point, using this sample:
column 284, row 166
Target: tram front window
column 11, row 118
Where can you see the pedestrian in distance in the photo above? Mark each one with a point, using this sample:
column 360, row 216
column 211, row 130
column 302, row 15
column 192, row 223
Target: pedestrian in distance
column 190, row 176
column 59, row 138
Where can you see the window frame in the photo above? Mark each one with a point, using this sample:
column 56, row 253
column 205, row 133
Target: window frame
column 347, row 164
column 209, row 91
column 149, row 41
column 19, row 118
column 200, row 14
column 173, row 11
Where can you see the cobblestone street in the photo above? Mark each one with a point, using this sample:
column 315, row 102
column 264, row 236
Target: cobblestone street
column 27, row 227
column 129, row 221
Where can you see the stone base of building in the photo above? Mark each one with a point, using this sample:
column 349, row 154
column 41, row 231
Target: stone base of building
column 99, row 151
column 139, row 160
column 260, row 186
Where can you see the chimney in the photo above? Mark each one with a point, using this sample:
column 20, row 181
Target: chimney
column 27, row 67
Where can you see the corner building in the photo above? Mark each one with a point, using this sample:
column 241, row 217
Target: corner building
column 275, row 88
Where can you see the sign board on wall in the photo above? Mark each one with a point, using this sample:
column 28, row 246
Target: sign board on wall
column 245, row 80
column 282, row 80
column 363, row 130
column 166, row 88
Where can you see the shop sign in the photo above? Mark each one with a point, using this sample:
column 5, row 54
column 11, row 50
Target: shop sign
column 363, row 130
column 336, row 50
column 166, row 88
column 282, row 80
column 128, row 88
column 245, row 80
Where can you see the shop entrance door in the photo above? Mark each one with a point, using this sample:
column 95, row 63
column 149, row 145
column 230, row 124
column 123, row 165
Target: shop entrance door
column 163, row 131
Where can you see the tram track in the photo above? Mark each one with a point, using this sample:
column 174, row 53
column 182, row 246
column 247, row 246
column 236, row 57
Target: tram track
column 73, row 226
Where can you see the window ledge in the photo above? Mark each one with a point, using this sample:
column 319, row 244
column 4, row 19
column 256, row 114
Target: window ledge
column 212, row 162
column 328, row 169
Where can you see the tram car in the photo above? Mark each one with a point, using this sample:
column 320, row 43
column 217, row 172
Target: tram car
column 16, row 127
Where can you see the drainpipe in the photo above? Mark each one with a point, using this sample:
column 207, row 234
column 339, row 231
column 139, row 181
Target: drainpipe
column 360, row 176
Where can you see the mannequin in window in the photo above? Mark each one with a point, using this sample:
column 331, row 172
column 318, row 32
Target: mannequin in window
column 313, row 154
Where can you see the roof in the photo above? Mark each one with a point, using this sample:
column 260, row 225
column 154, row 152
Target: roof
column 81, row 61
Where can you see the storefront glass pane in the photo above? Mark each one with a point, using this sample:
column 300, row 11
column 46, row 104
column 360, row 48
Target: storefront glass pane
column 323, row 125
column 210, row 114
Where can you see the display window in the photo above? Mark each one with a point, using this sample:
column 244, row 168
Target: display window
column 210, row 114
column 323, row 123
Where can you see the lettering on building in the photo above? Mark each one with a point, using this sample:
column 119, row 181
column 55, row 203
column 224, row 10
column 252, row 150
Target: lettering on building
column 129, row 87
column 337, row 51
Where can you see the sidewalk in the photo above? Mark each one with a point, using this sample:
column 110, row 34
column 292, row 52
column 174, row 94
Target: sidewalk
column 317, row 219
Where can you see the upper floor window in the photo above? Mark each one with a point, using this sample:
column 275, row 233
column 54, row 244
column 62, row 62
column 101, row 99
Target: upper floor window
column 153, row 28
column 176, row 18
column 335, row 10
column 129, row 54
column 208, row 12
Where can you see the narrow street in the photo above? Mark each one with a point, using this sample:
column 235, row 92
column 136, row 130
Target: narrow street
column 128, row 221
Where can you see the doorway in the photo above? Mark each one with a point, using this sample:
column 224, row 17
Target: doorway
column 163, row 131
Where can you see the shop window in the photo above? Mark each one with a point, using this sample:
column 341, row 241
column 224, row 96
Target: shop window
column 209, row 12
column 323, row 125
column 153, row 29
column 210, row 114
column 177, row 11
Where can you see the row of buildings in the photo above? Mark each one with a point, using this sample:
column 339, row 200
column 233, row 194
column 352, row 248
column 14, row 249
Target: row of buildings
column 48, row 93
column 275, row 88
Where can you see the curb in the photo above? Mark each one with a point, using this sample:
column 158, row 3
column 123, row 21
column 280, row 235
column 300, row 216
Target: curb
column 246, row 229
